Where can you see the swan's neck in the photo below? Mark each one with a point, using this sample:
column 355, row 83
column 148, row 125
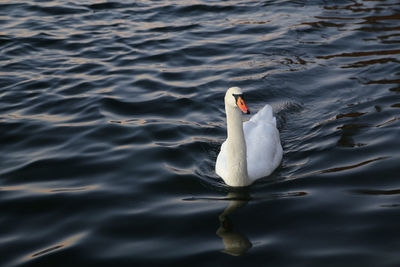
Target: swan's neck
column 236, row 148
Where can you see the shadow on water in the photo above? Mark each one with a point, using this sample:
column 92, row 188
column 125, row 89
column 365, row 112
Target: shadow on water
column 236, row 243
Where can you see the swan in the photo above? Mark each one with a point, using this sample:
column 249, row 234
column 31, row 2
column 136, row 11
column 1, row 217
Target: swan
column 252, row 149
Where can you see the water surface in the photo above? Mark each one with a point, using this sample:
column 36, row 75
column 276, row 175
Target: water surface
column 111, row 118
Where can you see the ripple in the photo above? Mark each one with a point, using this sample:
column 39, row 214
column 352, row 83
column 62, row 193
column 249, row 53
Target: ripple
column 56, row 248
column 112, row 116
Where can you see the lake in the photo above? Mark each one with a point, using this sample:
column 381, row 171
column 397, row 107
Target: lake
column 112, row 116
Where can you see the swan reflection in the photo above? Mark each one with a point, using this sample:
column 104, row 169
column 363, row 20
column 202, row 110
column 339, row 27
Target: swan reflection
column 235, row 243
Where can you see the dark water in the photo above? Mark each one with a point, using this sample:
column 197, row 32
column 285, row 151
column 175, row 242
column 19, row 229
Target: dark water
column 112, row 114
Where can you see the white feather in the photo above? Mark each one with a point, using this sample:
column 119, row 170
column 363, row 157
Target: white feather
column 263, row 148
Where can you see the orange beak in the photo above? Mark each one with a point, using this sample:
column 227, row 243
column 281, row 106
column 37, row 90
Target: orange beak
column 240, row 103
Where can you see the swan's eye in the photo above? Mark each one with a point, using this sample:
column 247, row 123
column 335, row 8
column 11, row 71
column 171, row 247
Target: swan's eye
column 238, row 96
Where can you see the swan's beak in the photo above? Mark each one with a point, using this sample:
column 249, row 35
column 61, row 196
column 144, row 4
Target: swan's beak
column 240, row 103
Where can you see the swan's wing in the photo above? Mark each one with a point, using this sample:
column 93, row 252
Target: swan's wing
column 220, row 165
column 263, row 145
column 264, row 149
column 264, row 115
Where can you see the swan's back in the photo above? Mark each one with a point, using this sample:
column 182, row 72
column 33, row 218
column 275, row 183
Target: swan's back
column 264, row 150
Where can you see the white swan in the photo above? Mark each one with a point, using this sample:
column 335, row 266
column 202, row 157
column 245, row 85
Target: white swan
column 252, row 149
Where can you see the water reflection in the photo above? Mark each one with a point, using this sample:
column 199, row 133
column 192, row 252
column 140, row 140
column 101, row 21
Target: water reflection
column 235, row 243
column 349, row 130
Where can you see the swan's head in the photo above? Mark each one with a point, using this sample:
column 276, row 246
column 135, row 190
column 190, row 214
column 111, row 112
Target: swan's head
column 234, row 98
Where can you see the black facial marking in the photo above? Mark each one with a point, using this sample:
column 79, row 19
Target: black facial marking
column 237, row 96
